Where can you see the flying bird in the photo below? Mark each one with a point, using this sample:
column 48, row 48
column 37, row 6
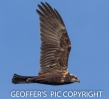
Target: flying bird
column 55, row 49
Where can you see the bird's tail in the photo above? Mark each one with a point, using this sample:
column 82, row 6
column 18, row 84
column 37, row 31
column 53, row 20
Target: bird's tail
column 18, row 79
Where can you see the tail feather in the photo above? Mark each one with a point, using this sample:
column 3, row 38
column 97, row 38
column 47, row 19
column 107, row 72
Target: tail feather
column 18, row 79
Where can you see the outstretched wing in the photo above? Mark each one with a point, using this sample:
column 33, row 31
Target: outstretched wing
column 55, row 47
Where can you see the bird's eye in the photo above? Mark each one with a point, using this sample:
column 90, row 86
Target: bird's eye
column 75, row 77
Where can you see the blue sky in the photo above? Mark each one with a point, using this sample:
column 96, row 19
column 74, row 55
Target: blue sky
column 87, row 23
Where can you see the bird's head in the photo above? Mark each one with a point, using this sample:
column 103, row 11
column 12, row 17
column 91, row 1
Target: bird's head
column 74, row 78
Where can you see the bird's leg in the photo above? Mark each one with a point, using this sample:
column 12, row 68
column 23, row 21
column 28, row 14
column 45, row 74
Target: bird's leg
column 28, row 80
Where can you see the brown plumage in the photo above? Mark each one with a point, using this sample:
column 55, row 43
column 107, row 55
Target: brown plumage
column 55, row 49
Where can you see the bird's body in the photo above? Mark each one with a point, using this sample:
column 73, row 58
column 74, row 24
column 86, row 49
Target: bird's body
column 48, row 78
column 55, row 49
column 55, row 78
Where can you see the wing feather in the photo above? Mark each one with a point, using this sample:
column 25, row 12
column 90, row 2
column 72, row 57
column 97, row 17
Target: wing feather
column 55, row 47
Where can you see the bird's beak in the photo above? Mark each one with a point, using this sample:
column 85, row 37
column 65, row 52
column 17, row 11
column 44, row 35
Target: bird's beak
column 78, row 80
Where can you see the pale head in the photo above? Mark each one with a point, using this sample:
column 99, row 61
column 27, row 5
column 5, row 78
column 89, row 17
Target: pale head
column 74, row 78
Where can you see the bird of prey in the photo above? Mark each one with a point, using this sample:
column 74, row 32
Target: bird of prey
column 55, row 49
